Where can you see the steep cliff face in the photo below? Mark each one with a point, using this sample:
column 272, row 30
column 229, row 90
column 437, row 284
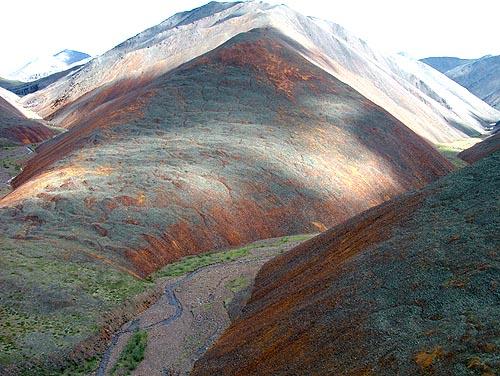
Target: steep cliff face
column 249, row 141
column 408, row 287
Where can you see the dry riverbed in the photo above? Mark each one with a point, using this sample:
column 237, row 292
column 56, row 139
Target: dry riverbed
column 194, row 310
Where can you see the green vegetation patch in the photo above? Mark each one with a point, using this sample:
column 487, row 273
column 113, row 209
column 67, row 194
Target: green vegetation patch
column 132, row 355
column 450, row 150
column 192, row 263
column 238, row 284
column 51, row 301
column 48, row 304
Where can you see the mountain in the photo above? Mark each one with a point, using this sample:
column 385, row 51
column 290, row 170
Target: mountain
column 47, row 65
column 428, row 103
column 17, row 124
column 444, row 63
column 406, row 288
column 222, row 125
column 248, row 141
column 10, row 84
column 480, row 76
column 24, row 88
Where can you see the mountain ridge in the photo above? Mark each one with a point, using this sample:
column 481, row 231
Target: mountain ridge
column 438, row 110
column 479, row 76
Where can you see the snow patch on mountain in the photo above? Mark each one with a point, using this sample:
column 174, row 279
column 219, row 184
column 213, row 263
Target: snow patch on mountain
column 46, row 65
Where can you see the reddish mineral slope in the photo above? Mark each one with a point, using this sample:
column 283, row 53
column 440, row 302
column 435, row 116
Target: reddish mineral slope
column 428, row 102
column 406, row 288
column 246, row 142
column 481, row 149
column 15, row 127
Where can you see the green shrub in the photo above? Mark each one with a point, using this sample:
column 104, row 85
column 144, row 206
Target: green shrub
column 132, row 355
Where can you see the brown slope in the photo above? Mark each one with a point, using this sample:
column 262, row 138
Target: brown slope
column 17, row 128
column 481, row 149
column 406, row 288
column 249, row 141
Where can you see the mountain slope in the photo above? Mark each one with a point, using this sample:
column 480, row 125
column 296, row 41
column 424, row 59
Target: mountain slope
column 262, row 160
column 408, row 287
column 481, row 77
column 444, row 63
column 24, row 88
column 9, row 84
column 431, row 105
column 18, row 125
column 47, row 65
column 249, row 141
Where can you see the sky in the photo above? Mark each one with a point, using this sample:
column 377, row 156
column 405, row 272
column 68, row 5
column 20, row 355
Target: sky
column 32, row 28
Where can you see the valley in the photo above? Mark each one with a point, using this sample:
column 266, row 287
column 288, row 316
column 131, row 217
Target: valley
column 242, row 189
column 194, row 309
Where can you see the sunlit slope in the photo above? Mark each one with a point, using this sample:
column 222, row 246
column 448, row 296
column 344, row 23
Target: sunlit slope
column 481, row 149
column 18, row 125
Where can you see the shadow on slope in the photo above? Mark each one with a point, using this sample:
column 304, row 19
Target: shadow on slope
column 294, row 134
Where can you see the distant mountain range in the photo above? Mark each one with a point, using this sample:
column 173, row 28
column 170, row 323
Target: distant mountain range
column 480, row 76
column 47, row 65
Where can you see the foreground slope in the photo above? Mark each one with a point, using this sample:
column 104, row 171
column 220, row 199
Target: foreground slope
column 408, row 287
column 247, row 142
column 18, row 125
column 430, row 104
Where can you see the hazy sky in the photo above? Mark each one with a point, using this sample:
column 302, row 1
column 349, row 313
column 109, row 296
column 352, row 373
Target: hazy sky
column 30, row 28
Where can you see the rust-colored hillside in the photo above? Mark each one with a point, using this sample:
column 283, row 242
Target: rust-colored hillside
column 17, row 128
column 481, row 149
column 407, row 288
column 249, row 141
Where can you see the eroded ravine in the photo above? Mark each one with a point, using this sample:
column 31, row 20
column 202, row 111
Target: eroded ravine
column 193, row 312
